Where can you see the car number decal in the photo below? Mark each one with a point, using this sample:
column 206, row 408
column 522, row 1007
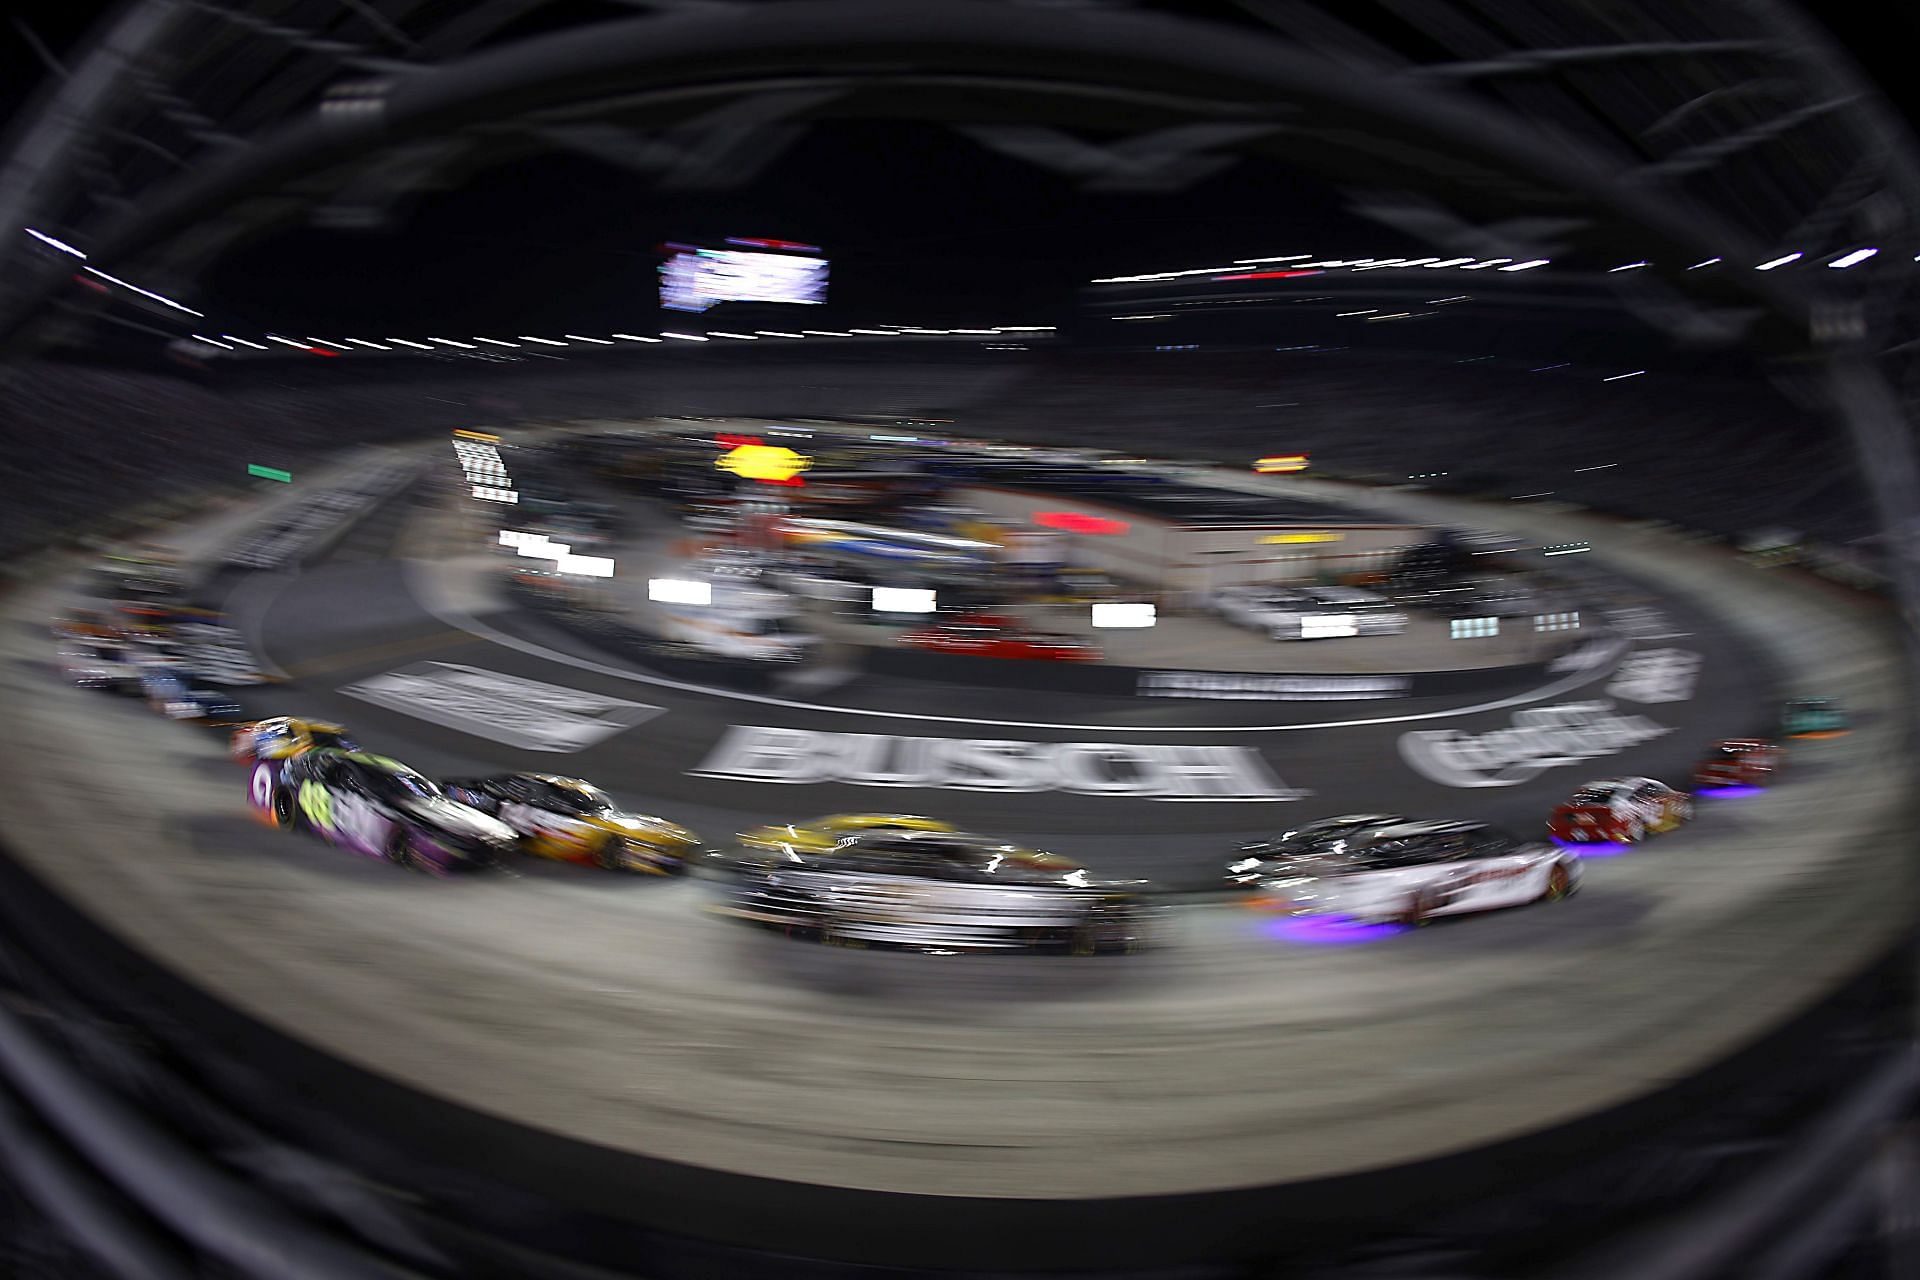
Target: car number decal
column 262, row 786
column 316, row 802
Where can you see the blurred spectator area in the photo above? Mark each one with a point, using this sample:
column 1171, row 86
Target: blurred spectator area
column 1725, row 455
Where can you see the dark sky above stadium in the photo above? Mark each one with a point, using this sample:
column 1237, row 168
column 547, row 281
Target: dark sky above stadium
column 922, row 226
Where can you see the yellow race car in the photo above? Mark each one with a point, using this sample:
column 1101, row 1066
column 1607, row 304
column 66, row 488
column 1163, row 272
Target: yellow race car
column 823, row 834
column 283, row 737
column 574, row 821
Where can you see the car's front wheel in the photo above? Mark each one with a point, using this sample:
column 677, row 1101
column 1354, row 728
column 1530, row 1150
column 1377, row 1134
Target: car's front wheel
column 399, row 849
column 285, row 812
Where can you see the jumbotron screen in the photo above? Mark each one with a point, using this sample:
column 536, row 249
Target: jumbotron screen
column 694, row 279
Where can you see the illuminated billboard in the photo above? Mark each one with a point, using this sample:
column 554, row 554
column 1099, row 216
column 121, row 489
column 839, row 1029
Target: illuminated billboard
column 694, row 279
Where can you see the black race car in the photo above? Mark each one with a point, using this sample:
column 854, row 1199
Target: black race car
column 1260, row 858
column 378, row 807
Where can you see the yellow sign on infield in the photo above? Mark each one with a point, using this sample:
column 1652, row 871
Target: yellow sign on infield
column 1296, row 538
column 770, row 462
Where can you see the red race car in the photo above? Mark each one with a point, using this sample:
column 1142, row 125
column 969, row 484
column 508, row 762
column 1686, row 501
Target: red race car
column 1619, row 811
column 993, row 636
column 1738, row 762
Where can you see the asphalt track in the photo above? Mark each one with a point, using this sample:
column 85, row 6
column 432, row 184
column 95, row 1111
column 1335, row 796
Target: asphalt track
column 1243, row 1052
column 358, row 618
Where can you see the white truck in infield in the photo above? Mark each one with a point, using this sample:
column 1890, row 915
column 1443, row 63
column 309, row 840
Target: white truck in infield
column 742, row 622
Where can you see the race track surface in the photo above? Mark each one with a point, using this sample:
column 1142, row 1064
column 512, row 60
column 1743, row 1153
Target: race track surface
column 1242, row 1052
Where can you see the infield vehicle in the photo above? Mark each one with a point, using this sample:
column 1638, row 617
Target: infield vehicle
column 1813, row 718
column 993, row 636
column 281, row 737
column 941, row 892
column 1739, row 762
column 376, row 806
column 1412, row 872
column 744, row 623
column 571, row 820
column 1258, row 858
column 1619, row 811
column 1310, row 613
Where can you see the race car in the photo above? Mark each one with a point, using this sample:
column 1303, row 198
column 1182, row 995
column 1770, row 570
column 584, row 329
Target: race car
column 177, row 694
column 1619, row 811
column 1738, row 762
column 379, row 807
column 87, row 624
column 1813, row 718
column 1258, row 857
column 574, row 821
column 1412, row 872
column 100, row 664
column 941, row 892
column 281, row 737
column 991, row 636
column 822, row 834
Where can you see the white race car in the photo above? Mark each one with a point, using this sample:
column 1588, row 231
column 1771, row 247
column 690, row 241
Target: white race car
column 1310, row 613
column 1411, row 872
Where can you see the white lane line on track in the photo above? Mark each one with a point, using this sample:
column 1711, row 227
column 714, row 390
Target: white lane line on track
column 474, row 627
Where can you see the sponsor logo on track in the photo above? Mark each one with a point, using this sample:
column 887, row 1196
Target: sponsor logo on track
column 1145, row 771
column 1656, row 675
column 1540, row 738
column 504, row 708
column 1590, row 656
column 1226, row 685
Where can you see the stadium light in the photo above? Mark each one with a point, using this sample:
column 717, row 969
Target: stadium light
column 586, row 566
column 324, row 343
column 1631, row 266
column 1528, row 265
column 1119, row 614
column 1851, row 259
column 598, row 341
column 409, row 343
column 243, row 342
column 684, row 337
column 1618, row 376
column 635, row 337
column 212, row 342
column 1779, row 262
column 680, row 591
column 498, row 342
column 359, row 342
column 903, row 600
column 1490, row 262
column 146, row 293
column 61, row 245
column 545, row 342
column 1707, row 263
column 451, row 343
column 1323, row 626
